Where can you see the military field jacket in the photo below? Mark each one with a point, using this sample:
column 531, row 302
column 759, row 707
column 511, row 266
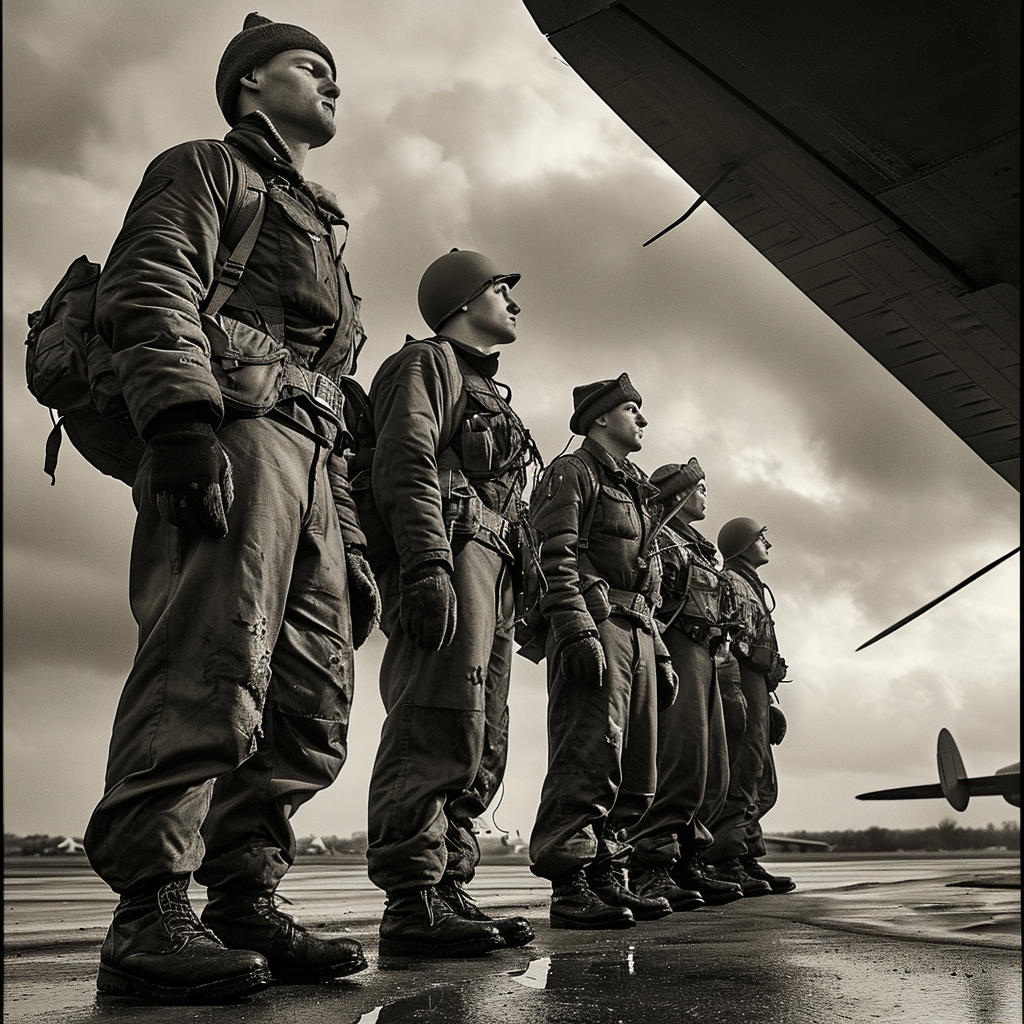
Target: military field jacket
column 752, row 609
column 692, row 586
column 615, row 499
column 161, row 268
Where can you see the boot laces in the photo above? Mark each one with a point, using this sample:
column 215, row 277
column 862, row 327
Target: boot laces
column 178, row 913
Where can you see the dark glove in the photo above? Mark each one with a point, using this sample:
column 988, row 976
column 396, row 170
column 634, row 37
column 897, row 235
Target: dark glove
column 427, row 609
column 776, row 724
column 363, row 597
column 582, row 662
column 668, row 684
column 190, row 478
column 734, row 707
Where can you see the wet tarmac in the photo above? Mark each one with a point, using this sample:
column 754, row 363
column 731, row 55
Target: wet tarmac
column 887, row 940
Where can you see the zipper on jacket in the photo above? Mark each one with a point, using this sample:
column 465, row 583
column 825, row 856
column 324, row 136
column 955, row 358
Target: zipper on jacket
column 313, row 239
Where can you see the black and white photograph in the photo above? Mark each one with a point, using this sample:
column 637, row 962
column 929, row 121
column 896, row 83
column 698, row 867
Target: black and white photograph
column 511, row 511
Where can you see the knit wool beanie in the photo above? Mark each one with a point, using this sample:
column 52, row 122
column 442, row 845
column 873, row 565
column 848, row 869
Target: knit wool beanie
column 593, row 400
column 673, row 479
column 259, row 40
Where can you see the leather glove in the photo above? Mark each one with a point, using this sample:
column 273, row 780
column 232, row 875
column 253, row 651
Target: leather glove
column 363, row 597
column 582, row 662
column 190, row 478
column 668, row 684
column 427, row 609
column 776, row 724
column 734, row 707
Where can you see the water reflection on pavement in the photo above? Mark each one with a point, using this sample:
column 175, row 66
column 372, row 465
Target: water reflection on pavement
column 858, row 941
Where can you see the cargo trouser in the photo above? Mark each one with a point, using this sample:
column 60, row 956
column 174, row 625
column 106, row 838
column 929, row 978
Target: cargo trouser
column 751, row 776
column 444, row 741
column 601, row 756
column 236, row 709
column 693, row 761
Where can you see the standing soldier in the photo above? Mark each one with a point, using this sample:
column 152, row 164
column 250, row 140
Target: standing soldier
column 448, row 472
column 607, row 667
column 755, row 671
column 247, row 578
column 693, row 755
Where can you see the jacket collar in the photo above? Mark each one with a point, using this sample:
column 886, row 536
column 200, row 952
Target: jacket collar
column 257, row 137
column 696, row 538
column 623, row 472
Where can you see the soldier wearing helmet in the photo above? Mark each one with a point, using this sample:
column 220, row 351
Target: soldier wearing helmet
column 449, row 465
column 693, row 754
column 753, row 671
column 608, row 670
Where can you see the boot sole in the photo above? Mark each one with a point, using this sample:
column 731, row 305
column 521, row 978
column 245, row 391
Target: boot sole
column 439, row 950
column 557, row 922
column 112, row 982
column 312, row 976
column 684, row 905
column 722, row 898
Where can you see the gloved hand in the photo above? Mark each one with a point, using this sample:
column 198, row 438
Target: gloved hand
column 190, row 478
column 427, row 609
column 776, row 724
column 668, row 683
column 734, row 706
column 582, row 661
column 363, row 597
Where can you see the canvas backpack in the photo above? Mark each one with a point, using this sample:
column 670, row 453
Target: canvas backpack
column 68, row 364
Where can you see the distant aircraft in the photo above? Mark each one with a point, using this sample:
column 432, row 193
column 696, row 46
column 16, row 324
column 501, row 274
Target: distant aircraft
column 786, row 844
column 870, row 151
column 954, row 783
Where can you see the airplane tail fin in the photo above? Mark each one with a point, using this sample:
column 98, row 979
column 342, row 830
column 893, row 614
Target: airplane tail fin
column 952, row 774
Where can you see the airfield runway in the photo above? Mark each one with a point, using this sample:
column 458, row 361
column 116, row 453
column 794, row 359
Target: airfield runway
column 907, row 940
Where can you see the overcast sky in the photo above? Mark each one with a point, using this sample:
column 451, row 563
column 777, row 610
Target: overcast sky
column 459, row 125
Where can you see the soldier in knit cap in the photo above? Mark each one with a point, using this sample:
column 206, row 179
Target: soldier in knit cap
column 608, row 671
column 693, row 756
column 248, row 579
column 754, row 669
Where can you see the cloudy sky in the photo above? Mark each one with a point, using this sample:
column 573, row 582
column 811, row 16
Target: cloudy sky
column 460, row 126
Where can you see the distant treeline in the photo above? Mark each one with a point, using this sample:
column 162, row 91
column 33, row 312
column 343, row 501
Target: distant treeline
column 947, row 835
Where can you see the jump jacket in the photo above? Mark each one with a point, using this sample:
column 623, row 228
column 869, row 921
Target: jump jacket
column 161, row 267
column 591, row 572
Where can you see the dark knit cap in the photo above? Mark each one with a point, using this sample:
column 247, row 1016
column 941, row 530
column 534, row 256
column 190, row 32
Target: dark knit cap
column 593, row 400
column 672, row 480
column 259, row 40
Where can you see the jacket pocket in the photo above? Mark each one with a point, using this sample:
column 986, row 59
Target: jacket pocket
column 616, row 515
column 247, row 363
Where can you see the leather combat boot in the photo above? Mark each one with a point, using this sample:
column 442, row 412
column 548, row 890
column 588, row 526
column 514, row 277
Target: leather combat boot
column 691, row 874
column 417, row 922
column 654, row 882
column 732, row 871
column 575, row 905
column 516, row 931
column 609, row 884
column 779, row 883
column 296, row 956
column 156, row 949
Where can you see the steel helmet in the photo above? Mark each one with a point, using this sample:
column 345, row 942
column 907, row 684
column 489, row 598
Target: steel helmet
column 454, row 279
column 737, row 535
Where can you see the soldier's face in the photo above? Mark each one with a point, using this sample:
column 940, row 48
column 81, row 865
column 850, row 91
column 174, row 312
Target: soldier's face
column 625, row 426
column 757, row 553
column 493, row 314
column 298, row 93
column 696, row 505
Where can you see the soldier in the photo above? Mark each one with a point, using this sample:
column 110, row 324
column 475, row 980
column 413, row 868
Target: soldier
column 607, row 668
column 749, row 679
column 447, row 476
column 247, row 577
column 693, row 756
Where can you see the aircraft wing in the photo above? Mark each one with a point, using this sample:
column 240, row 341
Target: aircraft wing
column 1004, row 784
column 875, row 160
column 787, row 844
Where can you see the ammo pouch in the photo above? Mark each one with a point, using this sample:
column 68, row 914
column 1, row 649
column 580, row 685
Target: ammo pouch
column 247, row 363
column 461, row 507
